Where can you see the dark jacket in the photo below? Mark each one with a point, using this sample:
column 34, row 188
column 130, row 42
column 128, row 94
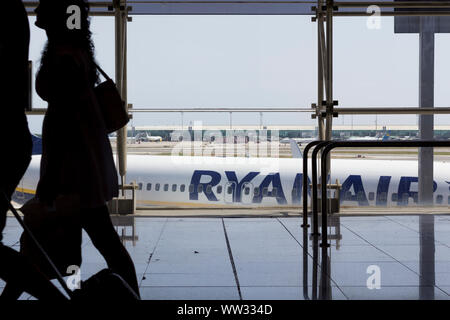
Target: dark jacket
column 14, row 43
column 15, row 139
column 77, row 156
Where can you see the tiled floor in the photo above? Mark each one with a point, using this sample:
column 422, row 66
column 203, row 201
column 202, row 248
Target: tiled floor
column 264, row 258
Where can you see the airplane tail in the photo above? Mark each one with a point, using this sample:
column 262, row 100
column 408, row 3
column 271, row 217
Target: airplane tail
column 37, row 145
column 386, row 137
column 296, row 152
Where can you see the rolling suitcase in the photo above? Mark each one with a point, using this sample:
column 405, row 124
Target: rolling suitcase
column 105, row 285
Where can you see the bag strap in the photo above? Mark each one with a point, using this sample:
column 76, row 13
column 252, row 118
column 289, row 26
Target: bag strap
column 44, row 254
column 104, row 74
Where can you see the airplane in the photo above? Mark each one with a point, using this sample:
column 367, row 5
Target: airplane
column 300, row 141
column 184, row 181
column 144, row 137
column 384, row 137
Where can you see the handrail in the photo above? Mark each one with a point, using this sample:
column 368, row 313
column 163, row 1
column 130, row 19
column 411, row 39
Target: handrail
column 305, row 181
column 314, row 202
column 361, row 144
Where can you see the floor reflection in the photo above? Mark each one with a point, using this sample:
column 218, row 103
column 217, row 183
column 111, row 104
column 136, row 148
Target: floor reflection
column 403, row 265
column 126, row 228
column 368, row 257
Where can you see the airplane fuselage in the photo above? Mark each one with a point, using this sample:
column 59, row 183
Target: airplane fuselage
column 266, row 182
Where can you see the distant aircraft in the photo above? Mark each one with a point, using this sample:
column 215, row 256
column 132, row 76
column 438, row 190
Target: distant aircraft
column 144, row 137
column 297, row 140
column 263, row 182
column 384, row 137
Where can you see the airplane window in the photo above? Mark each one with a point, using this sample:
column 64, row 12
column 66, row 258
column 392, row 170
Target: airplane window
column 140, row 186
column 149, row 186
column 157, row 186
column 360, row 196
column 208, row 189
column 294, row 191
column 174, row 187
column 394, row 197
column 439, row 199
column 230, row 190
column 448, row 200
column 191, row 188
column 182, row 188
column 265, row 191
column 200, row 188
column 219, row 189
column 256, row 191
column 405, row 198
column 166, row 187
column 371, row 196
column 274, row 192
column 247, row 191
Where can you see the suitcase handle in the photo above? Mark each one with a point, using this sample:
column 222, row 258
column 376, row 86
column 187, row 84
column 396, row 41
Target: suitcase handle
column 30, row 234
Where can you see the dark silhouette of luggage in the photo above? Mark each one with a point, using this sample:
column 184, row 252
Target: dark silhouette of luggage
column 105, row 285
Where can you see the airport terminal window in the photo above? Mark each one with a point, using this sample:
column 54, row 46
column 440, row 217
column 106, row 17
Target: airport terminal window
column 219, row 189
column 182, row 188
column 191, row 188
column 371, row 196
column 157, row 186
column 208, row 189
column 256, row 191
column 439, row 199
column 140, row 186
column 166, row 187
column 149, row 186
column 174, row 187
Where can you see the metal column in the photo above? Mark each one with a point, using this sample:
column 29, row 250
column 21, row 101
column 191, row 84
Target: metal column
column 121, row 81
column 426, row 100
column 329, row 74
column 319, row 71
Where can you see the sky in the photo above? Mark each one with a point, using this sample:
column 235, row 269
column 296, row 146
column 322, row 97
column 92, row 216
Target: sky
column 261, row 61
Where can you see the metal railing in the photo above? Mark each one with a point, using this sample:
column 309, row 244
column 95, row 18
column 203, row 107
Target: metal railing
column 330, row 145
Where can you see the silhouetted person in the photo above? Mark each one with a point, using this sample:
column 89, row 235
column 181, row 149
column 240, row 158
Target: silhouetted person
column 77, row 158
column 15, row 141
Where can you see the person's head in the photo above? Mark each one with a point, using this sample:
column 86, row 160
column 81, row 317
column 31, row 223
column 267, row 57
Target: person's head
column 56, row 17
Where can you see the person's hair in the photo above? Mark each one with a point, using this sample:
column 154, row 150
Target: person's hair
column 56, row 16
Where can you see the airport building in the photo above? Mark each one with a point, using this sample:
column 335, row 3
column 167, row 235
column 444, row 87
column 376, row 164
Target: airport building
column 339, row 131
column 327, row 210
